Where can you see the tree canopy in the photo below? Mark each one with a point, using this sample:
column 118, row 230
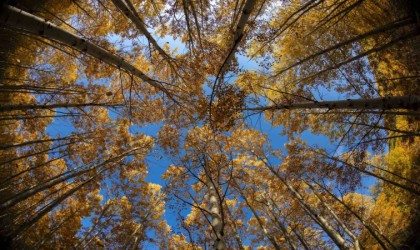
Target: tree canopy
column 196, row 124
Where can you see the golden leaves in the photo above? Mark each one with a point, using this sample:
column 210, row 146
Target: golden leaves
column 210, row 147
column 169, row 138
column 173, row 172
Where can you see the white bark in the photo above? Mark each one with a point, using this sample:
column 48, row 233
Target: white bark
column 359, row 217
column 389, row 26
column 382, row 103
column 214, row 204
column 235, row 229
column 281, row 226
column 216, row 222
column 29, row 223
column 35, row 106
column 128, row 9
column 318, row 218
column 95, row 224
column 260, row 223
column 356, row 243
column 301, row 239
column 19, row 19
column 54, row 181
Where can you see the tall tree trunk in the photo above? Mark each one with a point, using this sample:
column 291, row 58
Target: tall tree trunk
column 128, row 9
column 335, row 216
column 24, row 107
column 34, row 154
column 27, row 143
column 389, row 26
column 7, row 182
column 45, row 237
column 331, row 232
column 405, row 187
column 27, row 224
column 214, row 205
column 281, row 226
column 364, row 223
column 382, row 103
column 260, row 223
column 11, row 201
column 137, row 235
column 95, row 224
column 19, row 19
column 301, row 239
column 235, row 229
column 238, row 35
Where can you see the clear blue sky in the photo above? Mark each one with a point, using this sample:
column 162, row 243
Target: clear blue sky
column 157, row 166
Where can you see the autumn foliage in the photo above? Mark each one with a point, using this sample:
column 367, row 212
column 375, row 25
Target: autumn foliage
column 186, row 124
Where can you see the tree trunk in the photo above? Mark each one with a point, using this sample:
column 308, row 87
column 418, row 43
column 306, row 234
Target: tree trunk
column 54, row 181
column 24, row 107
column 97, row 221
column 128, row 10
column 19, row 19
column 7, row 182
column 334, row 215
column 27, row 224
column 264, row 230
column 235, row 230
column 281, row 226
column 34, row 154
column 405, row 187
column 27, row 143
column 331, row 232
column 238, row 35
column 45, row 237
column 214, row 204
column 382, row 103
column 364, row 223
column 389, row 26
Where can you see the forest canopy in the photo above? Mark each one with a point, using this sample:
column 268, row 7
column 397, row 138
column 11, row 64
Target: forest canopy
column 197, row 124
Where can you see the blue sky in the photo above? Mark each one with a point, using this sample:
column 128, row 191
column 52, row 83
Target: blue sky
column 158, row 163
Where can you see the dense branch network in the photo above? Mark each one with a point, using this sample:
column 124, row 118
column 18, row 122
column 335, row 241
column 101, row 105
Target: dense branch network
column 84, row 85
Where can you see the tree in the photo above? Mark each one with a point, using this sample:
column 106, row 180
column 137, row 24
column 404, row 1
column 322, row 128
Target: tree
column 95, row 96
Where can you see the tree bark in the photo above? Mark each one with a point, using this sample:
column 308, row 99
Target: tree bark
column 97, row 221
column 24, row 107
column 52, row 182
column 45, row 237
column 214, row 204
column 378, row 30
column 260, row 223
column 402, row 186
column 301, row 239
column 264, row 230
column 19, row 19
column 331, row 232
column 335, row 216
column 34, row 154
column 364, row 223
column 382, row 103
column 235, row 229
column 128, row 10
column 27, row 143
column 27, row 224
column 238, row 34
column 281, row 226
